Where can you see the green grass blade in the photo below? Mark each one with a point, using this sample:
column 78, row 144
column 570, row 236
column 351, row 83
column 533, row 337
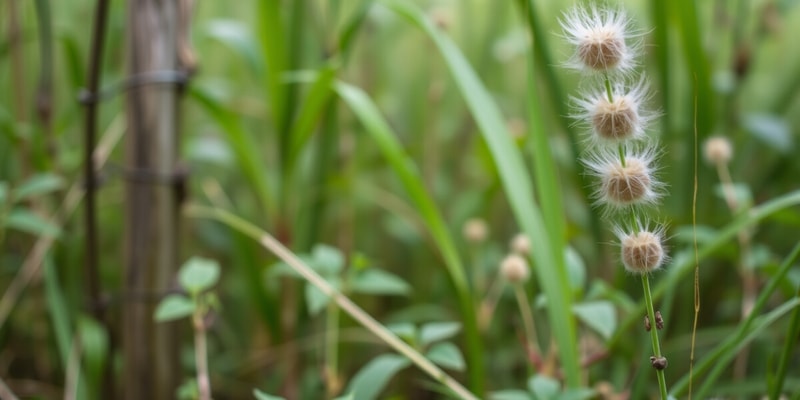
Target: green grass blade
column 242, row 144
column 549, row 261
column 721, row 355
column 310, row 112
column 406, row 170
column 273, row 43
column 57, row 308
column 786, row 354
column 545, row 171
column 732, row 347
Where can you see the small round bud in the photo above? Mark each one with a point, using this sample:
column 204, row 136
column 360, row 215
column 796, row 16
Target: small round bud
column 659, row 321
column 718, row 150
column 514, row 268
column 658, row 363
column 475, row 230
column 642, row 251
column 520, row 244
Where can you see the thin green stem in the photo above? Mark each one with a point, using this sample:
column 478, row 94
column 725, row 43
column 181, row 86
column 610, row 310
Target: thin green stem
column 201, row 355
column 609, row 92
column 621, row 152
column 527, row 318
column 648, row 300
column 332, row 350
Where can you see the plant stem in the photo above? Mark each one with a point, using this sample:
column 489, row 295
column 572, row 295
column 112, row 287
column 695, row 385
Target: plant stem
column 201, row 356
column 332, row 384
column 527, row 319
column 609, row 92
column 648, row 300
column 354, row 311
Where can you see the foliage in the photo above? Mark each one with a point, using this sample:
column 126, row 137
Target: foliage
column 363, row 135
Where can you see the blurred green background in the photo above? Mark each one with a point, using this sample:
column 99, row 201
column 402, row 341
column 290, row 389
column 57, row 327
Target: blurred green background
column 268, row 131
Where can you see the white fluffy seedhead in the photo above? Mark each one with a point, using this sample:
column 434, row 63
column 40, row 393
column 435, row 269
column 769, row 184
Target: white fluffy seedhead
column 625, row 118
column 603, row 38
column 624, row 186
column 641, row 248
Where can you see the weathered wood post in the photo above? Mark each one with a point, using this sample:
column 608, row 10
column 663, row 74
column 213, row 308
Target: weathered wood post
column 150, row 349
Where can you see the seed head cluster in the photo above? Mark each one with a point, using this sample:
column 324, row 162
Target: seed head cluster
column 619, row 154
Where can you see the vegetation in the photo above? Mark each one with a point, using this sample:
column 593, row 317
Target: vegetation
column 398, row 199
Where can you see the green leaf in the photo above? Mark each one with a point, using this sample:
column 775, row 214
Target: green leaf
column 26, row 221
column 38, row 185
column 376, row 281
column 238, row 37
column 404, row 330
column 771, row 130
column 263, row 396
column 369, row 382
column 94, row 342
column 188, row 390
column 198, row 274
column 327, row 260
column 436, row 331
column 578, row 394
column 512, row 394
column 348, row 396
column 447, row 355
column 173, row 307
column 576, row 268
column 3, row 191
column 601, row 316
column 315, row 299
column 543, row 387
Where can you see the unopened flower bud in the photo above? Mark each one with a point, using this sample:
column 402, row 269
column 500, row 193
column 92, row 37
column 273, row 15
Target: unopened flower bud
column 718, row 150
column 475, row 230
column 514, row 268
column 520, row 244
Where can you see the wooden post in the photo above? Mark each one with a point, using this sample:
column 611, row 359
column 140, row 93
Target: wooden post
column 151, row 258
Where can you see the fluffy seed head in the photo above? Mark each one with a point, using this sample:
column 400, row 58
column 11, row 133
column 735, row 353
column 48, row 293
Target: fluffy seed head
column 475, row 230
column 520, row 244
column 631, row 184
column 623, row 118
column 718, row 150
column 514, row 268
column 642, row 250
column 600, row 39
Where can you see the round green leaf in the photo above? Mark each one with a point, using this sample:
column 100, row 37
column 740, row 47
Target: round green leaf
column 544, row 387
column 173, row 307
column 376, row 281
column 436, row 331
column 198, row 274
column 447, row 355
column 368, row 383
column 601, row 316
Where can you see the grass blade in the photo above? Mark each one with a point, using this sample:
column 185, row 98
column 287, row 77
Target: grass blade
column 380, row 131
column 549, row 261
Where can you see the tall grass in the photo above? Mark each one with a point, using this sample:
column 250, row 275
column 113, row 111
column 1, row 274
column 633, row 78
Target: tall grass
column 378, row 127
